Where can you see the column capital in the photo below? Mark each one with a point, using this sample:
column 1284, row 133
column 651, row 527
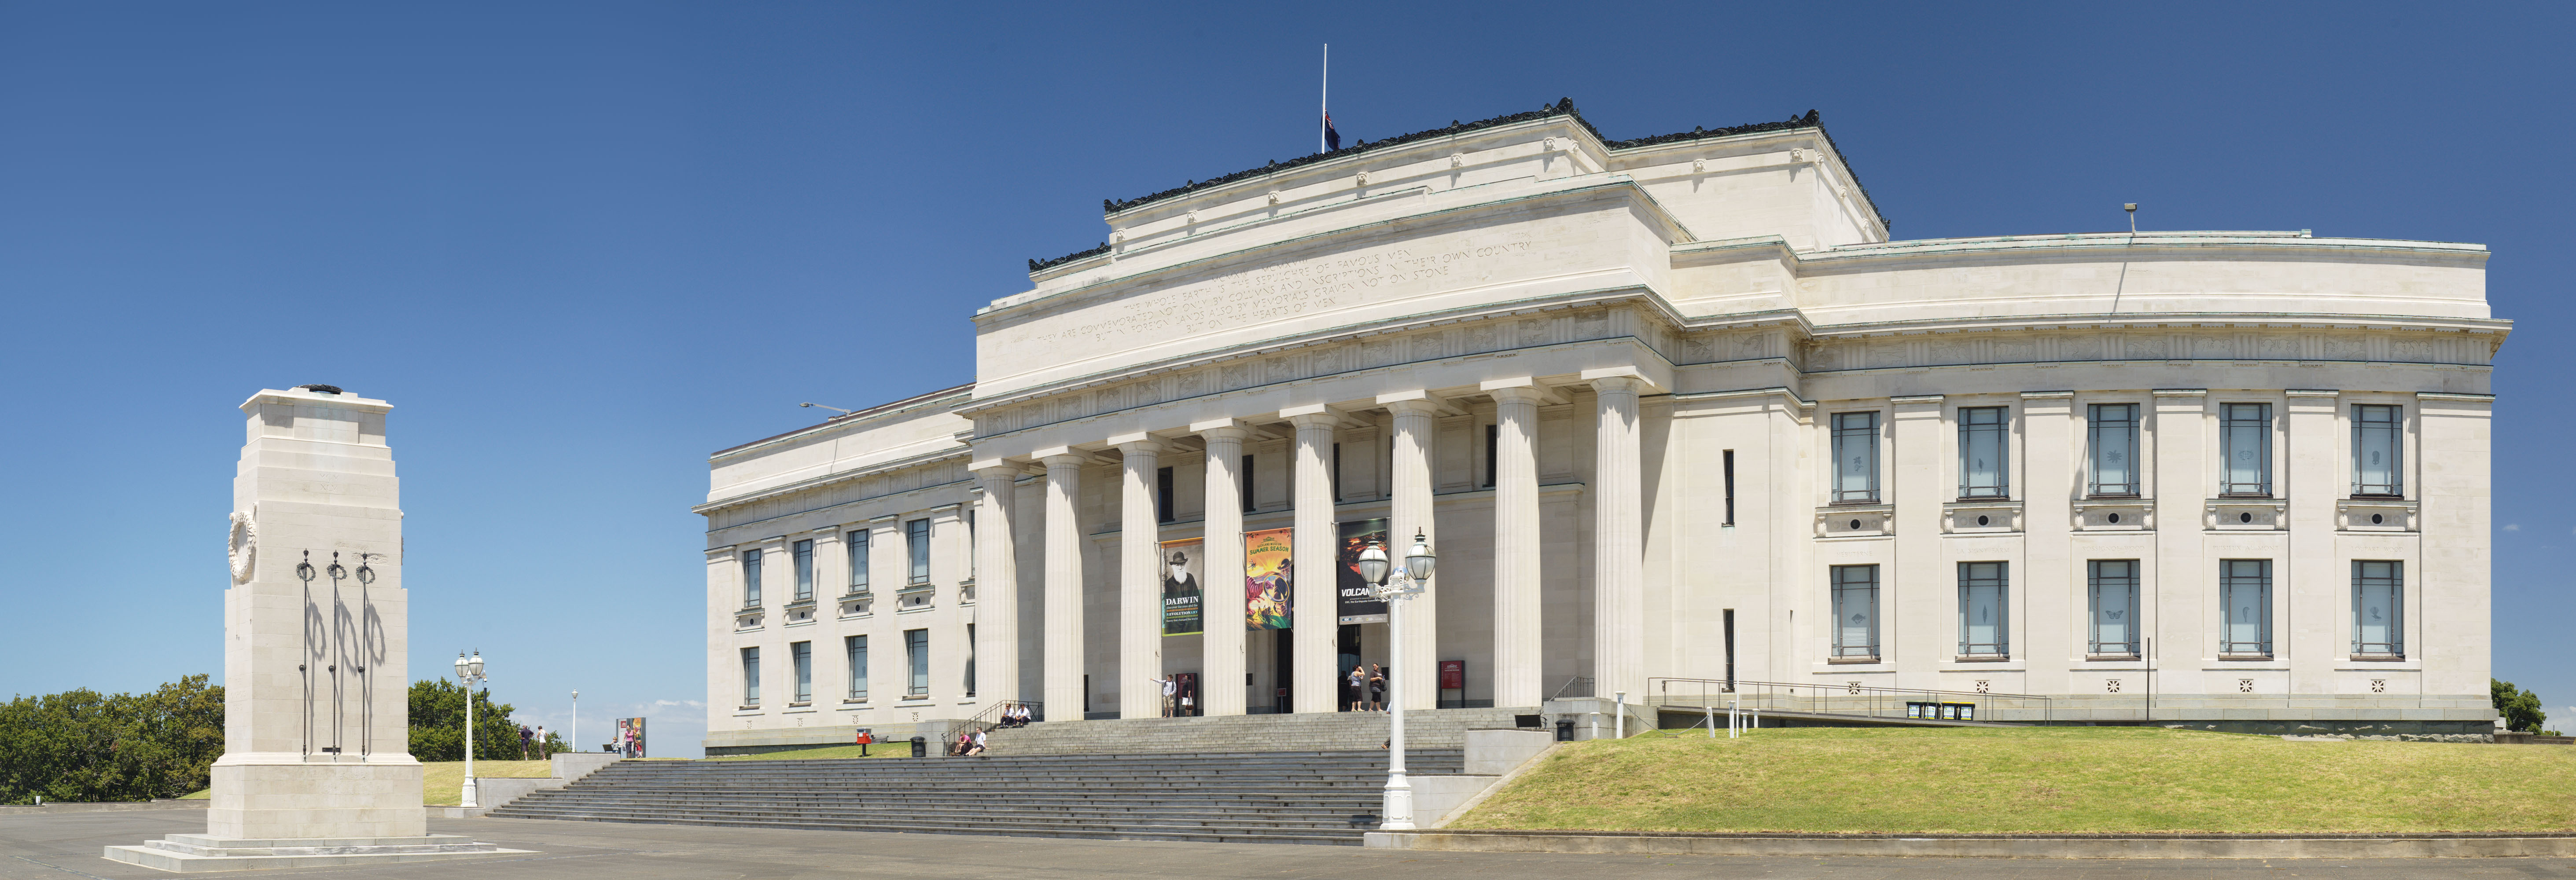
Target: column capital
column 1136, row 448
column 1231, row 428
column 1521, row 394
column 1621, row 378
column 1327, row 418
column 1065, row 460
column 1419, row 400
column 993, row 469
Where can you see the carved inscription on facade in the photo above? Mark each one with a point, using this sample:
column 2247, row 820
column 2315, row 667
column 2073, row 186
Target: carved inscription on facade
column 1275, row 292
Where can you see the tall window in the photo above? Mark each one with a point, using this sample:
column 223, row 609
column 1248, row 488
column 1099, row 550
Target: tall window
column 1855, row 610
column 1335, row 475
column 802, row 654
column 803, row 553
column 2245, row 589
column 857, row 646
column 1248, row 502
column 970, row 544
column 2378, row 608
column 2114, row 631
column 2245, row 442
column 1726, row 462
column 970, row 659
column 1982, row 610
column 1982, row 451
column 2376, row 447
column 916, row 543
column 1493, row 446
column 751, row 579
column 1855, row 457
column 857, row 542
column 1162, row 495
column 2112, row 433
column 916, row 651
column 751, row 676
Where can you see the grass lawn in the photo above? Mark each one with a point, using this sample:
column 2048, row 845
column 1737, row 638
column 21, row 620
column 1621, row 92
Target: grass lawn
column 2037, row 779
column 442, row 782
column 879, row 750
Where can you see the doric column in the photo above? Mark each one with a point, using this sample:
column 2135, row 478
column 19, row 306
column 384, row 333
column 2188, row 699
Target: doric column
column 1516, row 541
column 1314, row 586
column 997, row 586
column 1140, row 591
column 1618, row 542
column 1063, row 589
column 1415, row 415
column 1221, row 692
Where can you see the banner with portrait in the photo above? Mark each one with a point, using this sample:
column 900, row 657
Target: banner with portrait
column 1267, row 579
column 1354, row 602
column 1182, row 595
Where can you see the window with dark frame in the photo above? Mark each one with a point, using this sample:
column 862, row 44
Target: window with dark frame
column 802, row 552
column 1984, row 448
column 1248, row 503
column 916, row 648
column 1336, row 474
column 751, row 676
column 857, row 647
column 1855, row 603
column 2378, row 608
column 856, row 544
column 970, row 659
column 1984, row 603
column 2111, row 440
column 1855, row 443
column 2113, row 588
column 916, row 539
column 802, row 655
column 2245, row 595
column 2245, row 449
column 2378, row 444
column 1493, row 445
column 1726, row 463
column 751, row 579
column 1163, row 495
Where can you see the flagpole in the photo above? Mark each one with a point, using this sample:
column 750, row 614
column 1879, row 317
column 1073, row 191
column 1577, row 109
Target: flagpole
column 1326, row 103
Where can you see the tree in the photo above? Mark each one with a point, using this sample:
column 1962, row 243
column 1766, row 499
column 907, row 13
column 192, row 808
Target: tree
column 438, row 724
column 81, row 746
column 2520, row 708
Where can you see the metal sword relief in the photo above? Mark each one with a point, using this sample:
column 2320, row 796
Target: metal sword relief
column 327, row 643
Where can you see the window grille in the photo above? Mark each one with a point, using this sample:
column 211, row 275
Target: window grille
column 2245, row 441
column 2378, row 608
column 2377, row 445
column 2114, row 589
column 751, row 579
column 2112, row 435
column 1983, row 609
column 1983, row 452
column 1855, row 457
column 2245, row 589
column 1855, row 610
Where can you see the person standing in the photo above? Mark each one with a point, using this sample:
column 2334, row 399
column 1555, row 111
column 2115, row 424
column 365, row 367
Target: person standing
column 541, row 743
column 1356, row 684
column 1377, row 687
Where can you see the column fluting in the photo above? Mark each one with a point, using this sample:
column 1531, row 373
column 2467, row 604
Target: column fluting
column 1410, row 512
column 1618, row 591
column 1516, row 543
column 1063, row 589
column 1221, row 690
column 1140, row 589
column 1313, row 584
column 997, row 586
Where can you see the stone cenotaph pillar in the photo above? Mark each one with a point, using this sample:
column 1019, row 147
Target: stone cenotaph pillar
column 316, row 767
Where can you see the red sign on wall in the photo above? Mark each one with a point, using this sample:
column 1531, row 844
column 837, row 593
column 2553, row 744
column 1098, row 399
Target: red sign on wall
column 1453, row 675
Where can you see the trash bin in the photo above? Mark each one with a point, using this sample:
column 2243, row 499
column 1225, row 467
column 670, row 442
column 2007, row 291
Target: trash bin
column 920, row 747
column 1565, row 730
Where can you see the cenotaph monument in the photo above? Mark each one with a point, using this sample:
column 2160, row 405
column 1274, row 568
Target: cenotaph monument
column 317, row 769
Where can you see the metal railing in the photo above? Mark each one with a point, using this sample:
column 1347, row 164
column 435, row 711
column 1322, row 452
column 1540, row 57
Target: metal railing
column 1850, row 698
column 1575, row 687
column 989, row 719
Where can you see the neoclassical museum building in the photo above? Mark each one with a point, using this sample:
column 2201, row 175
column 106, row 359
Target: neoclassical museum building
column 1674, row 412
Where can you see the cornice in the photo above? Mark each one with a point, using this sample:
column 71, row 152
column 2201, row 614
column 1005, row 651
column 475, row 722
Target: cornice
column 882, row 410
column 812, row 483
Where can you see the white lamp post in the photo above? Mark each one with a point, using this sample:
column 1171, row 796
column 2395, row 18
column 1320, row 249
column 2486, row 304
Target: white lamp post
column 468, row 672
column 1409, row 581
column 572, row 738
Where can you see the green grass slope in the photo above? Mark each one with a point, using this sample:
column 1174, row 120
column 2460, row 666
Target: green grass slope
column 2066, row 779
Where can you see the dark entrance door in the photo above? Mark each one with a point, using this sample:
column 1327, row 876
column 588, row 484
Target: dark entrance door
column 1286, row 659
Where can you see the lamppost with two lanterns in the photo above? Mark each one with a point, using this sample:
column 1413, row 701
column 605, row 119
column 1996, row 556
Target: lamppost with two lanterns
column 1405, row 582
column 469, row 671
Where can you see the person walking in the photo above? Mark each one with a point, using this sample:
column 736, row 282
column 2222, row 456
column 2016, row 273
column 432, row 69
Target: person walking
column 1377, row 687
column 541, row 743
column 1356, row 684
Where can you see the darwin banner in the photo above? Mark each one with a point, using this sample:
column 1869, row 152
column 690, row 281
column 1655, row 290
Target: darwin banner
column 1182, row 595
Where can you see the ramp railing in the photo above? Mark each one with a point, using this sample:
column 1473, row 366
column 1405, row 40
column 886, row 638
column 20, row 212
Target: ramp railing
column 1850, row 698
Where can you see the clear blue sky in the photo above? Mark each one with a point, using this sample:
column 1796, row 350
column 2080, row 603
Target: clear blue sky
column 581, row 246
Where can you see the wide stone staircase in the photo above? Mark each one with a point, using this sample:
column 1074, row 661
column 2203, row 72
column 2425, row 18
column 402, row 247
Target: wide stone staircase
column 1229, row 794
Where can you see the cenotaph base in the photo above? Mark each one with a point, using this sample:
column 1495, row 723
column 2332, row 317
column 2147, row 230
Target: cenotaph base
column 317, row 769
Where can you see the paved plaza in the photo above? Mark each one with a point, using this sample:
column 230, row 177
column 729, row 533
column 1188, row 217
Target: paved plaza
column 62, row 846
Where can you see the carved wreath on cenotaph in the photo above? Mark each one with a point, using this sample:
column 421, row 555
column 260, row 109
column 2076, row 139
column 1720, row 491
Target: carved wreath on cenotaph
column 244, row 545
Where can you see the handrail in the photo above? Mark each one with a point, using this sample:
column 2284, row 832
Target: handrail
column 987, row 719
column 1574, row 683
column 1841, row 698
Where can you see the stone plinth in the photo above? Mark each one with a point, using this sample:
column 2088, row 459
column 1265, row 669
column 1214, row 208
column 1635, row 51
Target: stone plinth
column 189, row 853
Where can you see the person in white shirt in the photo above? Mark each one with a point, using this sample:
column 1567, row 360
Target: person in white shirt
column 1170, row 686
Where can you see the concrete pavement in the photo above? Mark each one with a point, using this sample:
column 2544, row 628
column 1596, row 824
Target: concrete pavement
column 62, row 847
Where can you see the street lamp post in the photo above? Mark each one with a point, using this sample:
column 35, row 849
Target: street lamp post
column 573, row 737
column 468, row 672
column 1409, row 581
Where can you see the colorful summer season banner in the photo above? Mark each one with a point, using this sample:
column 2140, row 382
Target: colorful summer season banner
column 1182, row 595
column 1266, row 579
column 630, row 737
column 1354, row 602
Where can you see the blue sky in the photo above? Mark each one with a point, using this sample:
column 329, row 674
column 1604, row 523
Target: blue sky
column 581, row 246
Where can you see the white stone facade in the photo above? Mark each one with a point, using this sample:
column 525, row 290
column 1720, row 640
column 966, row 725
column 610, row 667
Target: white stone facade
column 1544, row 350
